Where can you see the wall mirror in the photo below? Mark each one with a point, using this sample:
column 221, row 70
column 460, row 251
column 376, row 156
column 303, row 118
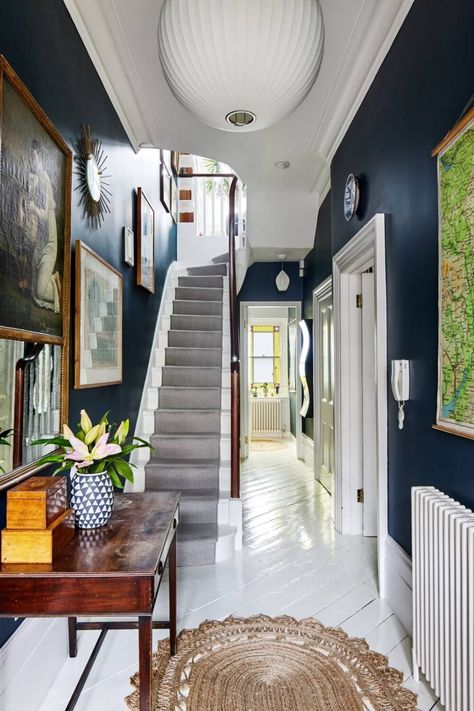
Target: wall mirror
column 35, row 210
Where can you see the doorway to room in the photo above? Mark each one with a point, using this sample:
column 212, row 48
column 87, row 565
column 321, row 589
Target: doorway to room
column 270, row 387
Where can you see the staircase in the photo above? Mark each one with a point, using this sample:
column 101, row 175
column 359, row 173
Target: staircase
column 191, row 423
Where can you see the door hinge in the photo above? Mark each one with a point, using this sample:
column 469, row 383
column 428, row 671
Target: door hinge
column 359, row 301
column 360, row 496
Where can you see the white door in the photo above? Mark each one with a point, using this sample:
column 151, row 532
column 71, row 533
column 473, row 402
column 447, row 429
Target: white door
column 369, row 411
column 325, row 373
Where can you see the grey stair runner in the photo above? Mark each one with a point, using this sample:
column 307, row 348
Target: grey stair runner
column 187, row 434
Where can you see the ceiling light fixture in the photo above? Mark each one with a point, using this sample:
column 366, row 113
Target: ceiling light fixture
column 282, row 164
column 283, row 280
column 263, row 55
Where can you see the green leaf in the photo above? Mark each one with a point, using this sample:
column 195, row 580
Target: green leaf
column 115, row 479
column 105, row 418
column 124, row 469
column 58, row 440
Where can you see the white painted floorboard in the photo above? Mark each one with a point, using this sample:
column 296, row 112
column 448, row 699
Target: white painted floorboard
column 293, row 563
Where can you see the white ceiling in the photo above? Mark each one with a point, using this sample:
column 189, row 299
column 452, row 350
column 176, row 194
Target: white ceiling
column 121, row 38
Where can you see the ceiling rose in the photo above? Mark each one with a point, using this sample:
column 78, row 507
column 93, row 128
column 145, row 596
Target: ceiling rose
column 241, row 65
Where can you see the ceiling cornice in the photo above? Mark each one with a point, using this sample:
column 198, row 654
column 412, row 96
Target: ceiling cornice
column 353, row 79
column 115, row 67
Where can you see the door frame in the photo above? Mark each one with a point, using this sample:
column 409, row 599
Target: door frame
column 321, row 292
column 366, row 247
column 244, row 375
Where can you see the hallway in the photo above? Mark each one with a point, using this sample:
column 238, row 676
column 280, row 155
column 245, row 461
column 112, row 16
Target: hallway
column 293, row 563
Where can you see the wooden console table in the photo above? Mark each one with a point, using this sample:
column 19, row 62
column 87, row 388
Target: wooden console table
column 111, row 571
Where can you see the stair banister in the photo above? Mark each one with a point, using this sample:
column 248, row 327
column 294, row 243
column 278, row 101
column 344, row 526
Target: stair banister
column 234, row 355
column 18, row 415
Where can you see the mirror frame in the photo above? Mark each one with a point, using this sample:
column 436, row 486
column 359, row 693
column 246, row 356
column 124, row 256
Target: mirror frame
column 7, row 73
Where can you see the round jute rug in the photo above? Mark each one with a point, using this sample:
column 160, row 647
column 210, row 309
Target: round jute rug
column 273, row 664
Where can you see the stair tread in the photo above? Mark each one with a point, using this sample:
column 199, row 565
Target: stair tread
column 194, row 330
column 196, row 493
column 191, row 387
column 194, row 348
column 186, row 435
column 210, row 410
column 194, row 367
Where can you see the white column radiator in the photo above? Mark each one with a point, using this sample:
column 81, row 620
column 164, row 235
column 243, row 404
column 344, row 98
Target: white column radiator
column 443, row 596
column 266, row 417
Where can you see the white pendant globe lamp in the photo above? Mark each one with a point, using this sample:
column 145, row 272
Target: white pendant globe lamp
column 283, row 280
column 241, row 65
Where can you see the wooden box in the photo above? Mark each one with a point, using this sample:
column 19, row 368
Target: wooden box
column 35, row 546
column 36, row 502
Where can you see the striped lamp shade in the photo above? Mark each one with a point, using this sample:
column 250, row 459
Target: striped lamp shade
column 241, row 65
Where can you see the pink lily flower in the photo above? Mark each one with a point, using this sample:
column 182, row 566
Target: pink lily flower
column 79, row 451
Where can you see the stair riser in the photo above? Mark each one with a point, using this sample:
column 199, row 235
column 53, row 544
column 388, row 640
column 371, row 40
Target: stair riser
column 193, row 377
column 159, row 476
column 195, row 339
column 189, row 399
column 182, row 448
column 189, row 356
column 196, row 294
column 195, row 553
column 204, row 308
column 208, row 269
column 196, row 323
column 187, row 423
column 213, row 282
column 194, row 510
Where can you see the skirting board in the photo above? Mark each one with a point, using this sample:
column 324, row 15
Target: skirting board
column 30, row 662
column 398, row 582
column 308, row 451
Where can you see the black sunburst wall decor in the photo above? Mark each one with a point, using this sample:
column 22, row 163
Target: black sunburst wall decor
column 93, row 180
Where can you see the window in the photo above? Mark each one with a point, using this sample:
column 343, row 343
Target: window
column 265, row 355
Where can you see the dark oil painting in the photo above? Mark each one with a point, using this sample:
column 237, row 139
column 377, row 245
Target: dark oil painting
column 33, row 182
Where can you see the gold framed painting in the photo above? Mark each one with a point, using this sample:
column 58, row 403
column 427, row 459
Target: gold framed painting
column 99, row 321
column 145, row 243
column 35, row 210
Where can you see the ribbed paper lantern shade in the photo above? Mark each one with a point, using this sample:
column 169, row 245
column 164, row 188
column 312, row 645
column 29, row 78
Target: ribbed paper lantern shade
column 240, row 58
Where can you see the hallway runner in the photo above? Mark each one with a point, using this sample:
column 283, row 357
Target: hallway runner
column 273, row 664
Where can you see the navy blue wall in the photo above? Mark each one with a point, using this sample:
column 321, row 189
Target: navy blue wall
column 259, row 283
column 417, row 96
column 41, row 42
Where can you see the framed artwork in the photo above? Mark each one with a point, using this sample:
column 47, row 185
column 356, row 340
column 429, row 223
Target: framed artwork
column 145, row 243
column 165, row 187
column 98, row 327
column 128, row 246
column 35, row 216
column 455, row 410
column 175, row 162
column 174, row 199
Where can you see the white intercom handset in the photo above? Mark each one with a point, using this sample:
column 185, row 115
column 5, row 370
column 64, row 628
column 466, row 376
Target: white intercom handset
column 401, row 387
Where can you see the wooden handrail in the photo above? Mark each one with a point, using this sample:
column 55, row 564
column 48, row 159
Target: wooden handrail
column 234, row 354
column 19, row 403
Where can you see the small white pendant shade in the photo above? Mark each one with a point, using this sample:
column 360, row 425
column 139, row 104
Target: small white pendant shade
column 282, row 281
column 255, row 56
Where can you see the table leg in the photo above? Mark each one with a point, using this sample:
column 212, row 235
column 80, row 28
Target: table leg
column 72, row 630
column 172, row 595
column 145, row 652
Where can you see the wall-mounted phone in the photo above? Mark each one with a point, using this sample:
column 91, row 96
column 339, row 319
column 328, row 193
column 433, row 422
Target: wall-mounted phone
column 401, row 387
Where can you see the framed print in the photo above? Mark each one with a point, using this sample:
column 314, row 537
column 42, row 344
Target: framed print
column 174, row 199
column 165, row 188
column 145, row 243
column 98, row 327
column 35, row 208
column 175, row 162
column 128, row 246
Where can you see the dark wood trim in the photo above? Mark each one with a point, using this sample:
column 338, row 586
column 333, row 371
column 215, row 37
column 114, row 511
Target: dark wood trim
column 207, row 175
column 172, row 595
column 83, row 678
column 455, row 131
column 145, row 659
column 234, row 354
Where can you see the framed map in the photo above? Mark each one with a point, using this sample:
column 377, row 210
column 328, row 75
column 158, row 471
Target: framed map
column 98, row 328
column 455, row 154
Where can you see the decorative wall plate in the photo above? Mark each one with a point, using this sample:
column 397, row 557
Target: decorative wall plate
column 351, row 197
column 93, row 181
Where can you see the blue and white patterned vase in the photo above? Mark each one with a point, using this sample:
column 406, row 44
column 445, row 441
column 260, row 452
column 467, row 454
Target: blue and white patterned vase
column 92, row 498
